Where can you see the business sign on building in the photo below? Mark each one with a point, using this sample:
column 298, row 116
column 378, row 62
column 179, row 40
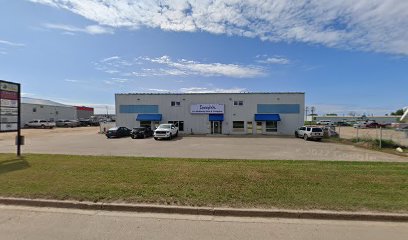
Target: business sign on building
column 207, row 108
column 9, row 106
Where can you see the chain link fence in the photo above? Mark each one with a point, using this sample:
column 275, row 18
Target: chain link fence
column 399, row 137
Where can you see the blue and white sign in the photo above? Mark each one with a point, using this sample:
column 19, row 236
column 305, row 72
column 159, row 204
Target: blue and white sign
column 207, row 108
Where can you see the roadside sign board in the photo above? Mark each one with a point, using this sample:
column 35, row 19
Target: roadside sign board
column 8, row 103
column 10, row 110
column 8, row 86
column 9, row 106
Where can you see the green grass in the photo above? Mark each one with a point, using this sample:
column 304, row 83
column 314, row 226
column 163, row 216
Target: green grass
column 203, row 182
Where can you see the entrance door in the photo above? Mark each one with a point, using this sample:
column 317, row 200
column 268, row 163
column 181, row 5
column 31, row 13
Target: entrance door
column 258, row 127
column 216, row 127
column 249, row 128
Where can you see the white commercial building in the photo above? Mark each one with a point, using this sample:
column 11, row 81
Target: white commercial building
column 32, row 109
column 214, row 113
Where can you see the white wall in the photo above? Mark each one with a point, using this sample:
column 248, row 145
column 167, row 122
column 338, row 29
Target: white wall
column 199, row 123
column 46, row 112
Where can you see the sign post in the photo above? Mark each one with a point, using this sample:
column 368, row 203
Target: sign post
column 10, row 110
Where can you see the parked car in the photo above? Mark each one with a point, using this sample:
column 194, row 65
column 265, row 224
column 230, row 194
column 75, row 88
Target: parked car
column 141, row 132
column 343, row 124
column 118, row 132
column 308, row 132
column 39, row 123
column 68, row 123
column 324, row 122
column 167, row 131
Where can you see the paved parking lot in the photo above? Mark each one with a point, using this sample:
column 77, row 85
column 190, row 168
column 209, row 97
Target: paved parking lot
column 86, row 141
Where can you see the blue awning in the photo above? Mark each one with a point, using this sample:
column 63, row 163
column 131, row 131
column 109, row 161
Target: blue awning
column 267, row 117
column 149, row 117
column 216, row 117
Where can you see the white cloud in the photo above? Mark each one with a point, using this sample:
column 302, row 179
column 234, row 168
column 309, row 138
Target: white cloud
column 12, row 44
column 211, row 90
column 165, row 66
column 371, row 25
column 159, row 90
column 274, row 60
column 115, row 81
column 71, row 80
column 71, row 30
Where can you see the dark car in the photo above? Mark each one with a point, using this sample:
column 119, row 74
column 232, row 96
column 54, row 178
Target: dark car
column 141, row 132
column 343, row 124
column 375, row 125
column 118, row 132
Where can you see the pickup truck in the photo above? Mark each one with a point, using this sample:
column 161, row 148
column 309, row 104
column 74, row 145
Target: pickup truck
column 40, row 124
column 167, row 131
column 308, row 132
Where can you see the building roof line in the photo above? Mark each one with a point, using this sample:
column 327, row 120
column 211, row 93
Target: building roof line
column 170, row 93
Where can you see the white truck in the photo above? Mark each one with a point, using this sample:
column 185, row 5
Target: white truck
column 39, row 123
column 308, row 133
column 167, row 131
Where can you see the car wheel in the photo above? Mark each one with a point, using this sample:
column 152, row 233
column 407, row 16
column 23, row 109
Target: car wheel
column 296, row 135
column 133, row 137
column 305, row 137
column 318, row 139
column 176, row 134
column 156, row 138
column 171, row 136
column 42, row 126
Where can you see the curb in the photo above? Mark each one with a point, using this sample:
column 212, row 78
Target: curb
column 208, row 211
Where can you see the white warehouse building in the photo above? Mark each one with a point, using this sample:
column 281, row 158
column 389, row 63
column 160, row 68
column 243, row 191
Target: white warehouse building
column 214, row 113
column 41, row 109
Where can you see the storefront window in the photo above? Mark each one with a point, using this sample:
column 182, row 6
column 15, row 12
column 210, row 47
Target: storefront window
column 271, row 126
column 145, row 124
column 156, row 124
column 238, row 126
column 179, row 124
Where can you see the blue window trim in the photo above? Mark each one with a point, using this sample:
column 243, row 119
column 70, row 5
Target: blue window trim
column 278, row 108
column 138, row 109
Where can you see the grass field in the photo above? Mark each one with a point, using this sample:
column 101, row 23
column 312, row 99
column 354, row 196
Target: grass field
column 201, row 182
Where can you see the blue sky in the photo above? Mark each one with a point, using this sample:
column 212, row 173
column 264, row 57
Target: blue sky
column 345, row 56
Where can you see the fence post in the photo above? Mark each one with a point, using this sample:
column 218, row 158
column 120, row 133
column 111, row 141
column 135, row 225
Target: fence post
column 380, row 137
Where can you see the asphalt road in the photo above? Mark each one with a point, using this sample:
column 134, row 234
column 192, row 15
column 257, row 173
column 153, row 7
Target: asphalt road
column 47, row 223
column 86, row 141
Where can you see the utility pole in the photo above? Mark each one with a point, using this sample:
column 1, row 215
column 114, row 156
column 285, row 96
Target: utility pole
column 306, row 110
column 313, row 109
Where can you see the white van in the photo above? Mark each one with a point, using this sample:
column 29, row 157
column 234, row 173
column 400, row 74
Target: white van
column 324, row 122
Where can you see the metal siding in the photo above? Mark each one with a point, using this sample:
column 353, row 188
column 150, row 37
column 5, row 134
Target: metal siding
column 278, row 108
column 199, row 123
column 139, row 109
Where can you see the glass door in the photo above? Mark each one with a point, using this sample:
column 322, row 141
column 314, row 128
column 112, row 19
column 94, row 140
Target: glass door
column 259, row 128
column 216, row 127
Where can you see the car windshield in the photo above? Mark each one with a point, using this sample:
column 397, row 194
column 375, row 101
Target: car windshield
column 317, row 130
column 113, row 129
column 165, row 126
